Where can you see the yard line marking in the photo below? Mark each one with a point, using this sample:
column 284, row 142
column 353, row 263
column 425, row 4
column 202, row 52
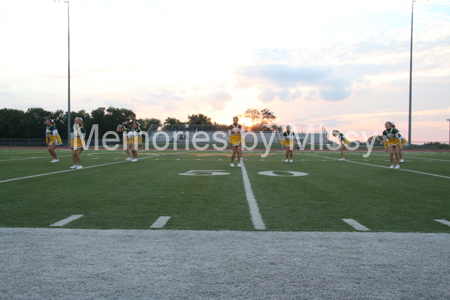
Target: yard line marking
column 414, row 157
column 63, row 171
column 406, row 170
column 254, row 210
column 34, row 157
column 66, row 221
column 355, row 225
column 443, row 221
column 160, row 223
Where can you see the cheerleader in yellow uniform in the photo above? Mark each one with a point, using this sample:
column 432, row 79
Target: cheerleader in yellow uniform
column 77, row 141
column 289, row 143
column 235, row 132
column 343, row 141
column 391, row 141
column 126, row 140
column 136, row 139
column 403, row 143
column 52, row 138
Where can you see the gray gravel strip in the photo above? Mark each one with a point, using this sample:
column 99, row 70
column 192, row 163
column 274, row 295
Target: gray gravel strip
column 165, row 264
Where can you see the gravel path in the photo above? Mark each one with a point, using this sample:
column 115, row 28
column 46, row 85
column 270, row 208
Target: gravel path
column 166, row 264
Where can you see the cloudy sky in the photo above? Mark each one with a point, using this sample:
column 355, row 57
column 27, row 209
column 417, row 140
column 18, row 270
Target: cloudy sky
column 343, row 64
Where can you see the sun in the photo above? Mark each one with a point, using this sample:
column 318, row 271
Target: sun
column 247, row 122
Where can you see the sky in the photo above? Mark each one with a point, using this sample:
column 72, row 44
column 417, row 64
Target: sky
column 341, row 64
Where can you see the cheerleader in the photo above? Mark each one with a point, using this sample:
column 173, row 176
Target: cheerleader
column 403, row 143
column 343, row 141
column 77, row 140
column 52, row 138
column 127, row 144
column 235, row 132
column 392, row 143
column 136, row 139
column 289, row 142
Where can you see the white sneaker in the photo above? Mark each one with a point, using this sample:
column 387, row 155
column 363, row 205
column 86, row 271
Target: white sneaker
column 286, row 160
column 291, row 160
column 55, row 160
column 239, row 165
column 128, row 159
column 231, row 165
column 402, row 160
column 397, row 166
column 242, row 158
column 392, row 166
column 79, row 167
column 341, row 159
column 134, row 160
column 74, row 167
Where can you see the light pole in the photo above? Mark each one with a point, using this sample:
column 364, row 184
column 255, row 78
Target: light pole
column 68, row 70
column 448, row 120
column 410, row 74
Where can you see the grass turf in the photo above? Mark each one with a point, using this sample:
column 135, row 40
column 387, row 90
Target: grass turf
column 122, row 195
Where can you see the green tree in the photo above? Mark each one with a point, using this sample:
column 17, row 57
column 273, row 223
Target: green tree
column 199, row 119
column 34, row 126
column 146, row 123
column 171, row 121
column 253, row 114
column 11, row 123
column 261, row 119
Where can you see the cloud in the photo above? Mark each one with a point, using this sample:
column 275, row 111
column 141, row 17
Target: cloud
column 218, row 98
column 332, row 85
column 269, row 95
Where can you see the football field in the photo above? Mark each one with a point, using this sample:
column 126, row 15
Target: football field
column 187, row 225
column 199, row 190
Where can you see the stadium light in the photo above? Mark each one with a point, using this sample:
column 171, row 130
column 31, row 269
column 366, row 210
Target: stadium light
column 68, row 69
column 410, row 74
column 448, row 120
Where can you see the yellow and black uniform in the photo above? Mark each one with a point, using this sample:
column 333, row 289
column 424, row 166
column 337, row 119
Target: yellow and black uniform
column 135, row 136
column 391, row 138
column 126, row 133
column 77, row 135
column 402, row 140
column 52, row 135
column 288, row 139
column 235, row 132
column 342, row 139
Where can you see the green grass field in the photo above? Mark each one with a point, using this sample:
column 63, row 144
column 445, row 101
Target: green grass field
column 113, row 194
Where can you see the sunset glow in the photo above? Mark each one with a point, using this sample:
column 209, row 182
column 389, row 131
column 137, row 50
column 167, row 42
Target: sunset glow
column 344, row 64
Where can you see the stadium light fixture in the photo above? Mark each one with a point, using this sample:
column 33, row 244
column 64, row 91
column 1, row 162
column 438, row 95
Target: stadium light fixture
column 448, row 120
column 68, row 68
column 410, row 73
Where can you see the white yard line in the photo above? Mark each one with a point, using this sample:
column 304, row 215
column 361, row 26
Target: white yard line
column 414, row 157
column 34, row 157
column 70, row 170
column 443, row 221
column 66, row 221
column 356, row 225
column 254, row 209
column 161, row 222
column 385, row 167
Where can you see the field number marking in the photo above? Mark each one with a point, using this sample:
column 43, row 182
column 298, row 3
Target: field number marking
column 66, row 221
column 442, row 221
column 355, row 225
column 160, row 223
column 290, row 173
column 204, row 173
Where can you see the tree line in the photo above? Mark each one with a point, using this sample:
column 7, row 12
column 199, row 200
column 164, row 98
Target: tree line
column 15, row 123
